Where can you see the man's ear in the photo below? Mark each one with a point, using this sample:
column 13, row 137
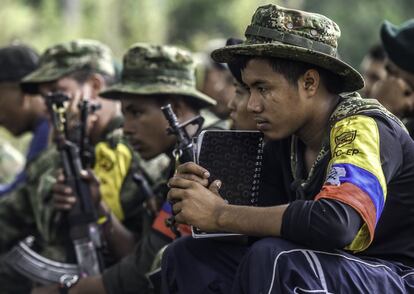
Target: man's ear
column 309, row 82
column 97, row 84
column 180, row 108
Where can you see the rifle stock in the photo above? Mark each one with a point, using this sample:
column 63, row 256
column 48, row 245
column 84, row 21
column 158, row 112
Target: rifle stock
column 38, row 268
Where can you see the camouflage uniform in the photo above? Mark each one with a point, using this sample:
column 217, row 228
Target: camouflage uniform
column 11, row 162
column 151, row 70
column 29, row 211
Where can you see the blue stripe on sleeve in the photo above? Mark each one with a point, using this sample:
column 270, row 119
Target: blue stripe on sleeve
column 364, row 180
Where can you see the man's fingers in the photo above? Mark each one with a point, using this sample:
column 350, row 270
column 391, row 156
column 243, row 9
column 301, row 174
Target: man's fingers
column 178, row 182
column 62, row 189
column 194, row 178
column 177, row 207
column 175, row 194
column 64, row 202
column 192, row 168
column 179, row 218
column 215, row 187
column 60, row 177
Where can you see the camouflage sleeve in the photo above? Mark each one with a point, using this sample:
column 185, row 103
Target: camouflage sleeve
column 27, row 210
column 41, row 177
column 11, row 162
column 16, row 218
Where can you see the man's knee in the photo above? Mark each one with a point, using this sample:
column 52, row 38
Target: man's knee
column 271, row 246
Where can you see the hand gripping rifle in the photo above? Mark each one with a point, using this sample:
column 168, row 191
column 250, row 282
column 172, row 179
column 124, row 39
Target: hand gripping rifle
column 184, row 149
column 82, row 218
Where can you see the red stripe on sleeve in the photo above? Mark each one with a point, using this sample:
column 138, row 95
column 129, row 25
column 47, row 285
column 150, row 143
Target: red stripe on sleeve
column 354, row 197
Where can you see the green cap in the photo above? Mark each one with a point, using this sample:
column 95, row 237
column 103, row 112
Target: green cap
column 156, row 69
column 296, row 35
column 65, row 58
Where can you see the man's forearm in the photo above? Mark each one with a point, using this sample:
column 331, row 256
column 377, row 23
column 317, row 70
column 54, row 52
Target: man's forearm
column 252, row 221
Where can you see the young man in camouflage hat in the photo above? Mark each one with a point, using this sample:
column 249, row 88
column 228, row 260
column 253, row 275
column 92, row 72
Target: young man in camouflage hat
column 152, row 76
column 337, row 179
column 21, row 112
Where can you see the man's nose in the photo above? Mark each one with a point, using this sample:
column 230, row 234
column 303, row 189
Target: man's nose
column 254, row 103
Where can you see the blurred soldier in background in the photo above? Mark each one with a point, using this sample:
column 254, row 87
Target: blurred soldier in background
column 396, row 91
column 372, row 69
column 241, row 119
column 216, row 81
column 21, row 112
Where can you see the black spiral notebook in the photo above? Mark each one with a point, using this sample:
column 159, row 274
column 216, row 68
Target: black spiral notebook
column 235, row 158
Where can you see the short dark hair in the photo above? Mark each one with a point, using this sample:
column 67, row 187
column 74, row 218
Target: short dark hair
column 377, row 52
column 292, row 70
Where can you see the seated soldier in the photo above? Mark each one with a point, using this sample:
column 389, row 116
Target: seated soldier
column 396, row 92
column 81, row 69
column 338, row 175
column 21, row 112
column 152, row 76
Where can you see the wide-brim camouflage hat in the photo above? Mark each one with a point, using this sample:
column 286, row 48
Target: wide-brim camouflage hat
column 295, row 35
column 157, row 69
column 65, row 58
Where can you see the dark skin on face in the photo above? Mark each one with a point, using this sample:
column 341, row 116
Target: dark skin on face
column 241, row 118
column 145, row 126
column 97, row 121
column 18, row 111
column 372, row 70
column 396, row 91
column 218, row 84
column 280, row 109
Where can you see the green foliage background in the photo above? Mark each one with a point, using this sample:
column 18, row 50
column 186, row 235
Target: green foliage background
column 189, row 23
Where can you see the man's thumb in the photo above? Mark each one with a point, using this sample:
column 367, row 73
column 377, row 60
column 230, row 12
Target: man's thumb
column 215, row 186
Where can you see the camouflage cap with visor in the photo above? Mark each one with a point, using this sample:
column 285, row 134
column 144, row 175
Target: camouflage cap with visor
column 65, row 58
column 295, row 35
column 157, row 69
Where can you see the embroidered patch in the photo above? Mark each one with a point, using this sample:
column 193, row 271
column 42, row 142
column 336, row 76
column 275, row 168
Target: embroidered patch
column 335, row 174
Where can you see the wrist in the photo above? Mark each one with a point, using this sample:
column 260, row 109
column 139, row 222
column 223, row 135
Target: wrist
column 220, row 216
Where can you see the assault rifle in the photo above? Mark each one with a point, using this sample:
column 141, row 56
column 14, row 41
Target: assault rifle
column 82, row 218
column 184, row 148
column 183, row 152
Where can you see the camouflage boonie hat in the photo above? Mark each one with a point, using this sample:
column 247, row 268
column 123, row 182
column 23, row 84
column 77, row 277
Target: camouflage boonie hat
column 296, row 35
column 65, row 58
column 156, row 69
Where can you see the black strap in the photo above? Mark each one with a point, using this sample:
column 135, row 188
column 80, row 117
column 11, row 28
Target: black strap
column 290, row 39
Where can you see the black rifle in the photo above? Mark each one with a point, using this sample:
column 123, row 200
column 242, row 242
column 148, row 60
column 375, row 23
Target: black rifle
column 184, row 148
column 85, row 149
column 82, row 218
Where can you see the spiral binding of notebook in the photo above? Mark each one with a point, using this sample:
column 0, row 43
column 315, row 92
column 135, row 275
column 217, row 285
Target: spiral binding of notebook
column 235, row 158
